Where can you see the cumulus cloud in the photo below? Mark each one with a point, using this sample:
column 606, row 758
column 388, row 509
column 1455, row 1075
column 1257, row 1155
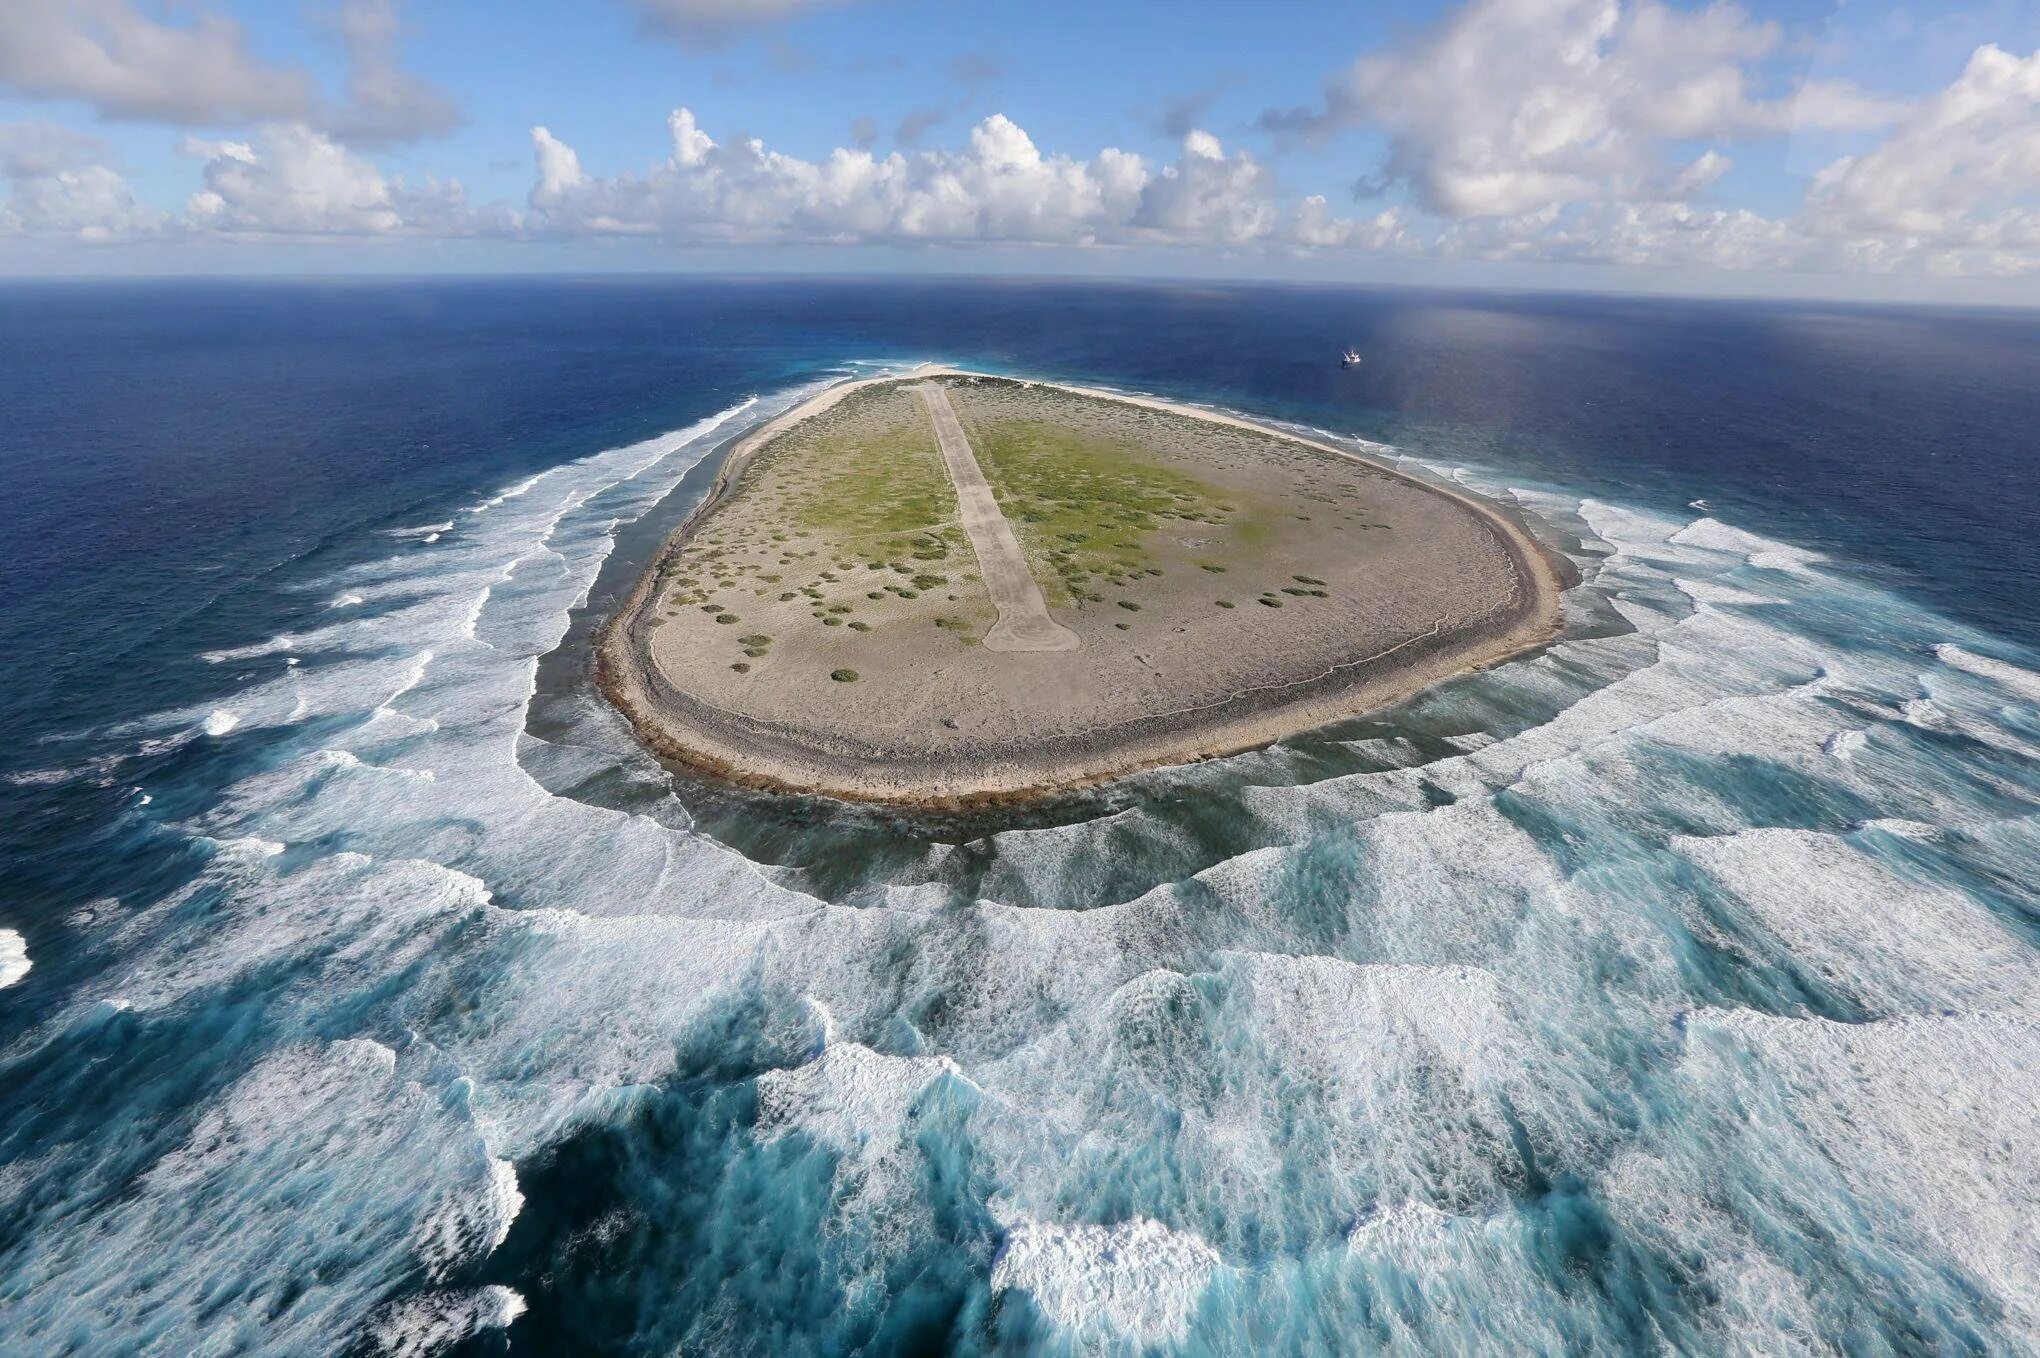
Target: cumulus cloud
column 293, row 180
column 59, row 185
column 1510, row 107
column 999, row 187
column 1949, row 189
column 128, row 65
column 1958, row 181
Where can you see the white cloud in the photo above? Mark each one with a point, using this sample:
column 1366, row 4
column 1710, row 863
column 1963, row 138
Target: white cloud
column 128, row 65
column 1957, row 182
column 998, row 188
column 30, row 149
column 295, row 181
column 1510, row 107
column 385, row 103
column 1954, row 190
column 59, row 185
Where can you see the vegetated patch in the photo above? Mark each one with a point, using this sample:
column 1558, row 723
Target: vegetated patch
column 844, row 676
column 1083, row 502
column 727, row 618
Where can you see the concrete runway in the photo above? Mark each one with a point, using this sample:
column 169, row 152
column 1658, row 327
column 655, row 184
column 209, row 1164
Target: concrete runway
column 1024, row 623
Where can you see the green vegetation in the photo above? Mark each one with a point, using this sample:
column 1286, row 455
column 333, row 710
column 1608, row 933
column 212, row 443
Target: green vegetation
column 1083, row 504
column 844, row 676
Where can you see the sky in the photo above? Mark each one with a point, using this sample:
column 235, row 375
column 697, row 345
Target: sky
column 1873, row 149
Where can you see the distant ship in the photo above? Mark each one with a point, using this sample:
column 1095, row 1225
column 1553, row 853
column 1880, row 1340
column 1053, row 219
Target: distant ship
column 1350, row 359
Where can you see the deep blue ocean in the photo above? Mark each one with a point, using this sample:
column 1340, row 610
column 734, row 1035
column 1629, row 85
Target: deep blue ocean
column 365, row 989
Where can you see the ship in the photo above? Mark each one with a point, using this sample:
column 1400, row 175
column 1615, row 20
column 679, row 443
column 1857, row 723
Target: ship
column 1350, row 359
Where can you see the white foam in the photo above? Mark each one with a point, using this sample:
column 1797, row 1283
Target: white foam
column 470, row 1221
column 311, row 1165
column 283, row 641
column 433, row 1322
column 1890, row 942
column 220, row 721
column 2014, row 679
column 850, row 1098
column 14, row 963
column 1929, row 1119
column 1137, row 1279
column 1767, row 553
column 43, row 777
column 1708, row 592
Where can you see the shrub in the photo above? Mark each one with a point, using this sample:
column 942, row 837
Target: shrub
column 1271, row 603
column 726, row 618
column 741, row 668
column 1129, row 605
column 844, row 676
column 1225, row 603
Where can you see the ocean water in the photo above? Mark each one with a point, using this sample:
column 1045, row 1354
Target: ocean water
column 364, row 989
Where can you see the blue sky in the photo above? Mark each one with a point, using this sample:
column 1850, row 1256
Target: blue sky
column 1873, row 148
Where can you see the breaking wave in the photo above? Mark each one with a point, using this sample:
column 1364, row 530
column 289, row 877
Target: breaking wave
column 1675, row 985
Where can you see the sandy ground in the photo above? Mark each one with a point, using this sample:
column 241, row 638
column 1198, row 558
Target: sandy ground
column 1208, row 650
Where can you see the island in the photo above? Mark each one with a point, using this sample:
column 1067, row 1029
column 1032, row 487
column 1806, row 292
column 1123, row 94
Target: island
column 951, row 588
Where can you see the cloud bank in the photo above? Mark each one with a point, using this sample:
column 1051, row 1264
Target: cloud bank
column 129, row 66
column 1599, row 131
